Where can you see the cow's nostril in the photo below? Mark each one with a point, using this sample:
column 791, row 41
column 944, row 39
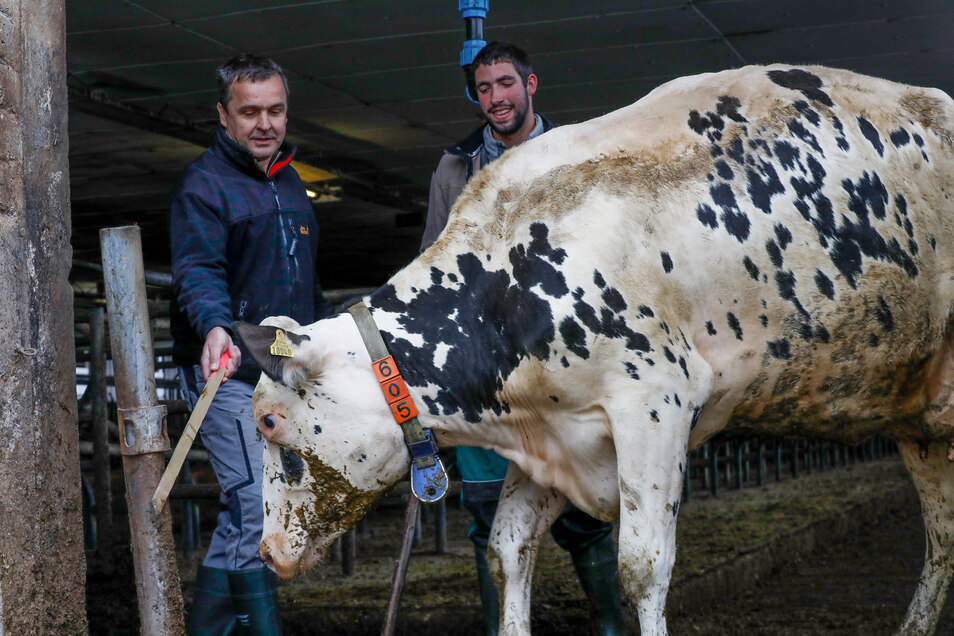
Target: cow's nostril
column 269, row 421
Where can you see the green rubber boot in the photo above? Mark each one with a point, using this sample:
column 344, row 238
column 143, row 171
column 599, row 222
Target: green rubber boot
column 212, row 613
column 488, row 593
column 255, row 599
column 596, row 566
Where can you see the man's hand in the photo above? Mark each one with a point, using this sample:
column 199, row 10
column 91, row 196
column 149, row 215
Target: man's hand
column 216, row 342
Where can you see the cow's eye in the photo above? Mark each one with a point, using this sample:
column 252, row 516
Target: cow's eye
column 269, row 421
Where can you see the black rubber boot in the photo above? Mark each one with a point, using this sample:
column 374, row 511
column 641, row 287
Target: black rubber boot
column 212, row 613
column 596, row 566
column 255, row 599
column 488, row 593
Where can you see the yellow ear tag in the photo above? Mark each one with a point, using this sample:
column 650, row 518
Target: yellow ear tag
column 281, row 347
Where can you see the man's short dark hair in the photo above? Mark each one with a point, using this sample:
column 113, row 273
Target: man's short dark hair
column 246, row 67
column 498, row 51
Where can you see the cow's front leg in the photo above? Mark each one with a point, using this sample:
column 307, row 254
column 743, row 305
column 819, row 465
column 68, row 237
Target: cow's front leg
column 524, row 513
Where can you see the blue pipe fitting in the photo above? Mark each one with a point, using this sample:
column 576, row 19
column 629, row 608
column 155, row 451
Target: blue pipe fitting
column 474, row 12
column 473, row 8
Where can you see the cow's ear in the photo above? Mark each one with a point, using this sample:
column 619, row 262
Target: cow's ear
column 273, row 349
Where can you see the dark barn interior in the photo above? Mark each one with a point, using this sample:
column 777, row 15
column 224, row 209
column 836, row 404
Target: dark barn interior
column 377, row 93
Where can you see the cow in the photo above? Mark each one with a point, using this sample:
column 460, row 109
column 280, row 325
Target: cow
column 768, row 249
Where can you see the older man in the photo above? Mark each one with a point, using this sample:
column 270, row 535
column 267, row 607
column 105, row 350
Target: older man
column 244, row 246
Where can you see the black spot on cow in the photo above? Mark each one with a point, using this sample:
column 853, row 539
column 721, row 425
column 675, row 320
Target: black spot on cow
column 700, row 123
column 824, row 285
column 884, row 315
column 900, row 137
column 613, row 299
column 710, row 329
column 452, row 278
column 684, row 367
column 786, row 290
column 631, row 370
column 809, row 84
column 564, row 362
column 723, row 170
column 783, row 234
column 666, row 261
column 788, row 154
column 436, row 276
column 645, row 312
column 867, row 194
column 653, row 415
column 317, row 429
column 774, row 253
column 854, row 239
column 555, row 398
column 574, row 337
column 736, row 150
column 763, row 184
column 822, row 334
column 736, row 222
column 750, row 267
column 763, row 319
column 780, row 349
column 707, row 216
column 734, row 325
column 535, row 266
column 798, row 130
column 920, row 143
column 669, row 354
column 871, row 134
column 675, row 396
column 598, row 279
column 500, row 318
column 728, row 107
column 873, row 340
column 808, row 112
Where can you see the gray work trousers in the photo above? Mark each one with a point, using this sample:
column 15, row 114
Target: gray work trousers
column 235, row 450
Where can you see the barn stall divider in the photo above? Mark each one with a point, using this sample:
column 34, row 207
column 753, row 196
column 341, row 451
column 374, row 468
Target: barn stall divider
column 728, row 461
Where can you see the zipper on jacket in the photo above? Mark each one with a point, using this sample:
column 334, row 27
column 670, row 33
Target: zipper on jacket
column 289, row 249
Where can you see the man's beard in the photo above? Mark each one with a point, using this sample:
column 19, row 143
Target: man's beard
column 520, row 116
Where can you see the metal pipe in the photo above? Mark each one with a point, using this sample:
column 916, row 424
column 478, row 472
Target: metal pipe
column 143, row 436
column 474, row 12
column 101, row 468
column 400, row 569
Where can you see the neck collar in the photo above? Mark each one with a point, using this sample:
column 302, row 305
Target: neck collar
column 428, row 477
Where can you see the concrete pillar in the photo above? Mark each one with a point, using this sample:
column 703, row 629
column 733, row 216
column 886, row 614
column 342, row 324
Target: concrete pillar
column 42, row 569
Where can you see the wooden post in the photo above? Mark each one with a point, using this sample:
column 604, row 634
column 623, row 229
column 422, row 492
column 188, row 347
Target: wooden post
column 42, row 569
column 142, row 432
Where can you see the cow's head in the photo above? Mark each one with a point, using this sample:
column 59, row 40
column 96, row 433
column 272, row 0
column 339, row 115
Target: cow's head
column 332, row 446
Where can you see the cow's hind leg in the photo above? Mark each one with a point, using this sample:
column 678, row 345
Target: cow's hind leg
column 933, row 476
column 524, row 513
column 650, row 483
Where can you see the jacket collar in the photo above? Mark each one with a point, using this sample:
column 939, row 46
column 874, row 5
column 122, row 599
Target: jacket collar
column 469, row 148
column 240, row 157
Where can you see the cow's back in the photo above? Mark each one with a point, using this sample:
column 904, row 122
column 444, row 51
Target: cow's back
column 793, row 223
